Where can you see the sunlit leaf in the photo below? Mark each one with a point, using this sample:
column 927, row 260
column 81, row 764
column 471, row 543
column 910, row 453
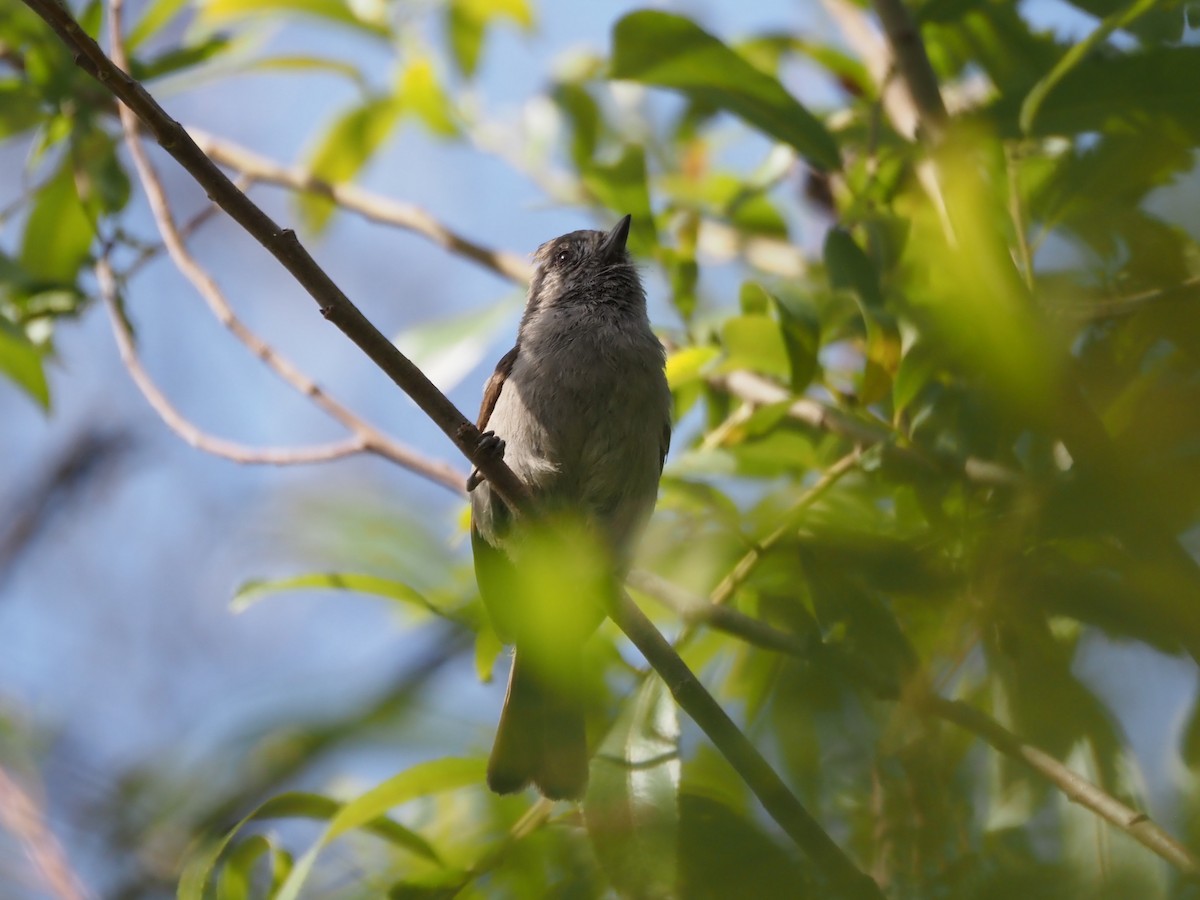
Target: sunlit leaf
column 420, row 93
column 360, row 16
column 448, row 348
column 671, row 51
column 345, row 148
column 468, row 21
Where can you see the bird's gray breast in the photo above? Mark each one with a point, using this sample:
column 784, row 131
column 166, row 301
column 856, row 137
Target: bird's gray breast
column 582, row 415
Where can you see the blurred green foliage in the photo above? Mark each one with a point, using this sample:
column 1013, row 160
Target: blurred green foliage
column 999, row 337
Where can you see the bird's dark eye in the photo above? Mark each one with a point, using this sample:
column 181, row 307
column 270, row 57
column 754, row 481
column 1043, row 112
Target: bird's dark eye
column 563, row 255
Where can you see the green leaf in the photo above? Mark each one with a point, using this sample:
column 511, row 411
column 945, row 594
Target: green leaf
column 58, row 234
column 687, row 365
column 583, row 113
column 369, row 17
column 622, row 187
column 20, row 108
column 851, row 269
column 421, row 780
column 419, row 93
column 671, row 51
column 253, row 591
column 755, row 343
column 21, row 362
column 631, row 808
column 800, row 328
column 468, row 21
column 346, row 147
column 1121, row 93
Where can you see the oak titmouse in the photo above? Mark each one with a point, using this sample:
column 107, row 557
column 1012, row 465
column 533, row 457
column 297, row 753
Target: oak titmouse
column 580, row 410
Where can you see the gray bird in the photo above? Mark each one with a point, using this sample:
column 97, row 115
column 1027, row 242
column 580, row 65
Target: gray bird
column 581, row 412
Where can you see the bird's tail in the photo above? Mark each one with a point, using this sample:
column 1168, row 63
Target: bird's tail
column 541, row 738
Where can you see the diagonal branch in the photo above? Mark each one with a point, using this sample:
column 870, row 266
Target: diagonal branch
column 690, row 693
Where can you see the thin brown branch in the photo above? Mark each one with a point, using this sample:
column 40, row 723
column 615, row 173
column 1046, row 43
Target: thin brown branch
column 761, row 391
column 177, row 422
column 364, row 436
column 691, row 695
column 1074, row 786
column 23, row 818
column 370, row 206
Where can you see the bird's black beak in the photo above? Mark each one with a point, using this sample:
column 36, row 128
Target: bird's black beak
column 613, row 248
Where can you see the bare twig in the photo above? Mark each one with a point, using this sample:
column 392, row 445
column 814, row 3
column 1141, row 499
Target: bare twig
column 20, row 815
column 691, row 695
column 1075, row 787
column 370, row 206
column 364, row 436
column 190, row 433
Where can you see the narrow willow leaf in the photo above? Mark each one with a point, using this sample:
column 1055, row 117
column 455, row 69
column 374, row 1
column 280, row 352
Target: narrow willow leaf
column 671, row 51
column 421, row 780
column 253, row 591
column 631, row 808
column 199, row 868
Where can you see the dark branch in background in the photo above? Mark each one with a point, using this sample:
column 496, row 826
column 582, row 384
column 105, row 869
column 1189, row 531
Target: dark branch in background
column 85, row 465
column 1075, row 787
column 692, row 696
